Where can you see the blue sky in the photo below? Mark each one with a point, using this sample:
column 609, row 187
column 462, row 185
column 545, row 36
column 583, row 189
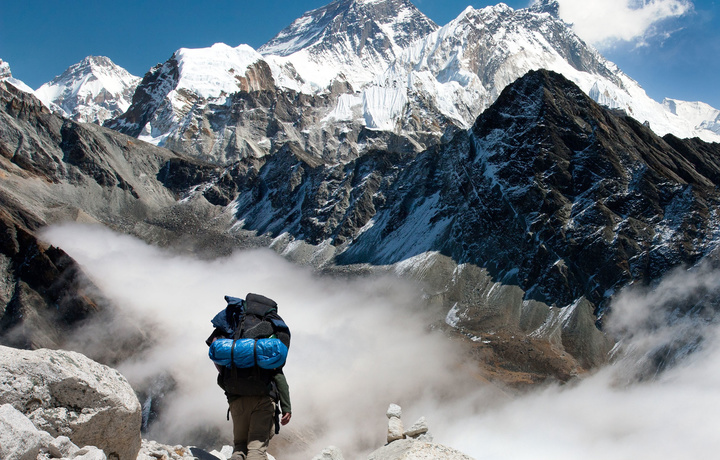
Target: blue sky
column 672, row 51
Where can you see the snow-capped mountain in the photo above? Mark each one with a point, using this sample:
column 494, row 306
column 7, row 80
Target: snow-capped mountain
column 461, row 68
column 346, row 43
column 190, row 77
column 352, row 40
column 698, row 114
column 357, row 75
column 170, row 100
column 91, row 91
column 6, row 75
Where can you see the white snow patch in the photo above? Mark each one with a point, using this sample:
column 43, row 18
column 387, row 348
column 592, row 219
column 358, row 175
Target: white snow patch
column 211, row 72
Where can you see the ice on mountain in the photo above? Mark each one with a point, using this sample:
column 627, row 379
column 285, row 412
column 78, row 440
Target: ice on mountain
column 211, row 72
column 382, row 107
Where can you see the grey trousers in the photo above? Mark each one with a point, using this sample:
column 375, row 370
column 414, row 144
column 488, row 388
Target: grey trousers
column 253, row 426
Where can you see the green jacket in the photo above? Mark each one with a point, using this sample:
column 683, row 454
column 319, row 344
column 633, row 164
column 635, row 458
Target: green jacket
column 284, row 392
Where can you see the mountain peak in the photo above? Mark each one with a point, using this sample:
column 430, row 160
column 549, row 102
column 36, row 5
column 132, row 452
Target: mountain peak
column 399, row 20
column 4, row 70
column 92, row 90
column 349, row 40
column 546, row 6
column 6, row 75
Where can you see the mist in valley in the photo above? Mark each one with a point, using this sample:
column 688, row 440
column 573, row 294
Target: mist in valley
column 360, row 344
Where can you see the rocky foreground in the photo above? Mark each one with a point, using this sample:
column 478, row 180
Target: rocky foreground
column 58, row 404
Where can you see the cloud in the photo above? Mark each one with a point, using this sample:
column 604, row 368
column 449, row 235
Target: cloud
column 359, row 345
column 602, row 22
column 623, row 411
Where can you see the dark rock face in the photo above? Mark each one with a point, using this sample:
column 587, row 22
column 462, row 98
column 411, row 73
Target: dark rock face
column 43, row 289
column 155, row 85
column 597, row 200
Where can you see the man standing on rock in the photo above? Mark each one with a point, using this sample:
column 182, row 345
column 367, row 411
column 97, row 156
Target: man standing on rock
column 249, row 345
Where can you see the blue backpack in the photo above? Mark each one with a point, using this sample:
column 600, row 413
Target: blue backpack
column 253, row 345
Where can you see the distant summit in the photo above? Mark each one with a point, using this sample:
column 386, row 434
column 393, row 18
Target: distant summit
column 547, row 6
column 91, row 91
column 6, row 75
column 353, row 38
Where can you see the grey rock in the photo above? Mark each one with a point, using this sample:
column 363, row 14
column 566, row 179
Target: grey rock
column 410, row 449
column 19, row 438
column 89, row 453
column 329, row 453
column 67, row 394
column 62, row 447
column 418, row 428
column 394, row 411
column 395, row 429
column 153, row 450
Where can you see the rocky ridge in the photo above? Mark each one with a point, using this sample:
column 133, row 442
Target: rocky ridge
column 56, row 170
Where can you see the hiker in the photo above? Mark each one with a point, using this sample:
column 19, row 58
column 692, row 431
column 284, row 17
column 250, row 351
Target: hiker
column 249, row 345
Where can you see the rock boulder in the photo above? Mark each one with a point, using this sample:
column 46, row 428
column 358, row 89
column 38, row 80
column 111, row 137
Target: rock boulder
column 19, row 439
column 67, row 394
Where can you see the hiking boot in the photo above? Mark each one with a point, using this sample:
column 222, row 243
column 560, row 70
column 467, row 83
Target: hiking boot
column 237, row 455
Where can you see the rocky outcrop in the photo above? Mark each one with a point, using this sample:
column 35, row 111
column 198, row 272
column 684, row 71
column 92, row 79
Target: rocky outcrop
column 414, row 443
column 411, row 449
column 19, row 439
column 66, row 394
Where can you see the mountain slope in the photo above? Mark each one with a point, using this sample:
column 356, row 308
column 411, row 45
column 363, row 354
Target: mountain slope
column 547, row 206
column 55, row 170
column 91, row 91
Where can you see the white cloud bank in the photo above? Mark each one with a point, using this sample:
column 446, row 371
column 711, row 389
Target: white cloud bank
column 602, row 22
column 360, row 345
column 623, row 411
column 356, row 347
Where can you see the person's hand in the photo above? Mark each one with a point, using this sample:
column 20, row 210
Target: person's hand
column 286, row 418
